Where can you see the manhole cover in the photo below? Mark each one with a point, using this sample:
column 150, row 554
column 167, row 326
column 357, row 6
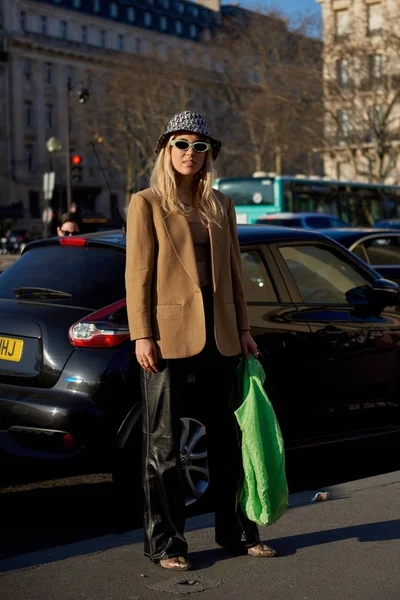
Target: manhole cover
column 185, row 585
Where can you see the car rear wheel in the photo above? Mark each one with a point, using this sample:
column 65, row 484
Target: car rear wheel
column 193, row 457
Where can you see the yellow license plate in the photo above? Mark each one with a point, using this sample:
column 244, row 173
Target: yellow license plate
column 11, row 349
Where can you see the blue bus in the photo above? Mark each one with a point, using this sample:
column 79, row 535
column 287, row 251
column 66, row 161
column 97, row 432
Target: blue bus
column 358, row 204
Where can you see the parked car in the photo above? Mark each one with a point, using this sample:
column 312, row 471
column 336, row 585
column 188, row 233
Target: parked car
column 16, row 238
column 387, row 224
column 378, row 248
column 305, row 220
column 323, row 319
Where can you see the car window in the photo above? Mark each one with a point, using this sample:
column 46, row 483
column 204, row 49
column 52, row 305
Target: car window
column 281, row 222
column 335, row 222
column 322, row 275
column 318, row 222
column 94, row 276
column 360, row 251
column 256, row 280
column 383, row 250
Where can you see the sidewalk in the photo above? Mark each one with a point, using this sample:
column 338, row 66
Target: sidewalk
column 6, row 260
column 346, row 547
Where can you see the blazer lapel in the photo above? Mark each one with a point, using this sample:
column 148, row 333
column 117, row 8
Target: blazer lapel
column 178, row 231
column 216, row 237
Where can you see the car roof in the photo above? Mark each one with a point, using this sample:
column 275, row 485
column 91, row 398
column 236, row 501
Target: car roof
column 292, row 215
column 349, row 235
column 246, row 234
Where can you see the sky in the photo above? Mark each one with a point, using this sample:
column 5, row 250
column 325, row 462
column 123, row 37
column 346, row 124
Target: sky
column 296, row 11
column 294, row 6
column 290, row 7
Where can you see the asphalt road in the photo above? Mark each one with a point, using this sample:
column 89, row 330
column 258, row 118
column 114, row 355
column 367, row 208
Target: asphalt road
column 43, row 508
column 345, row 547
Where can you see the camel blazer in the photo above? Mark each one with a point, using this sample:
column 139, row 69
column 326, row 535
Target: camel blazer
column 163, row 295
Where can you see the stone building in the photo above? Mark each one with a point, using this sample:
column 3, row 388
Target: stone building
column 48, row 49
column 362, row 89
column 54, row 57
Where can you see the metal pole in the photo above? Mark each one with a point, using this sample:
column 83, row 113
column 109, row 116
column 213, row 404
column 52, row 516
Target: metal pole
column 68, row 154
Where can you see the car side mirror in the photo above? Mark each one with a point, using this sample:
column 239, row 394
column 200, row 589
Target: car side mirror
column 383, row 293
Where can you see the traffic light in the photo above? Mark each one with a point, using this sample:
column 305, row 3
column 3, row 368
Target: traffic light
column 76, row 168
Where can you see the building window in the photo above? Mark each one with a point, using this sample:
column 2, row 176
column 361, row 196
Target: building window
column 43, row 25
column 193, row 31
column 343, row 125
column 166, row 4
column 151, row 2
column 84, row 34
column 28, row 113
column 96, row 6
column 131, row 14
column 34, row 204
column 48, row 73
column 121, row 42
column 195, row 11
column 181, row 7
column 77, row 3
column 163, row 23
column 22, row 20
column 50, row 115
column 147, row 19
column 63, row 30
column 375, row 68
column 374, row 19
column 69, row 75
column 138, row 46
column 342, row 23
column 178, row 27
column 102, row 38
column 114, row 10
column 27, row 69
column 29, row 157
column 342, row 68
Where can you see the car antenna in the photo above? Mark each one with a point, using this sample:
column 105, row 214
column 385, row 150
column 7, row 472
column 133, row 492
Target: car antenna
column 121, row 220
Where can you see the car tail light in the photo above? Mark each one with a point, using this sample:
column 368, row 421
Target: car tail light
column 99, row 330
column 72, row 241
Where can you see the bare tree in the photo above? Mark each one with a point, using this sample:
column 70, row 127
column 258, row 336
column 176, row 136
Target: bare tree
column 137, row 101
column 362, row 104
column 267, row 89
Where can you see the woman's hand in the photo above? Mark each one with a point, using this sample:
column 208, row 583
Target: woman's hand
column 146, row 354
column 248, row 344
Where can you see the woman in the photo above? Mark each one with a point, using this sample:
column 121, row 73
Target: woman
column 187, row 315
column 67, row 225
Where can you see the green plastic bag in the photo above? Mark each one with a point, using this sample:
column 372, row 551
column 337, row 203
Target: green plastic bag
column 263, row 495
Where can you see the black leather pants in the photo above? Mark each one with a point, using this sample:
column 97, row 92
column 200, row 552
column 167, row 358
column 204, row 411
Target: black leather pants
column 164, row 395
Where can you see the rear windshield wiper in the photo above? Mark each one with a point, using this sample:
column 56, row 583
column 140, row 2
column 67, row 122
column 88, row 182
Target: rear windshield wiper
column 38, row 292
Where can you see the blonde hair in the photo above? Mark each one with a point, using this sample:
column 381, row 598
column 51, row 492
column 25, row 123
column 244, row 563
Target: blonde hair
column 163, row 183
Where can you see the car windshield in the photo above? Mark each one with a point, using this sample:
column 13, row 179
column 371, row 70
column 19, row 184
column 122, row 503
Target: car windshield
column 94, row 277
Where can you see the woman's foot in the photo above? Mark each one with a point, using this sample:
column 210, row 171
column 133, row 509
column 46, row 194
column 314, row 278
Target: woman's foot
column 177, row 563
column 261, row 550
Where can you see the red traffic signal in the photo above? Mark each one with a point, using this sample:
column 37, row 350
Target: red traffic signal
column 76, row 159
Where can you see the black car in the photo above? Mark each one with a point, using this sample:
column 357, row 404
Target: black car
column 324, row 321
column 304, row 220
column 16, row 238
column 380, row 248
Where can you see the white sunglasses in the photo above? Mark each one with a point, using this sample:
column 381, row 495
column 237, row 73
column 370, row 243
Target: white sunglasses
column 184, row 145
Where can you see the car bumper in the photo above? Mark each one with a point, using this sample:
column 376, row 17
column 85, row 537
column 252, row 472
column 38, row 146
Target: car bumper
column 44, row 425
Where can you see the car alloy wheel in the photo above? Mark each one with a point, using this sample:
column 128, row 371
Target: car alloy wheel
column 194, row 461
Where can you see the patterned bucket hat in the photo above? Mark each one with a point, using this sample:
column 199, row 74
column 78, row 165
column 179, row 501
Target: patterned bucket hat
column 189, row 121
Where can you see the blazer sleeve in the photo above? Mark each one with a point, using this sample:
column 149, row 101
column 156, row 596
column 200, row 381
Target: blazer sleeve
column 236, row 268
column 140, row 244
